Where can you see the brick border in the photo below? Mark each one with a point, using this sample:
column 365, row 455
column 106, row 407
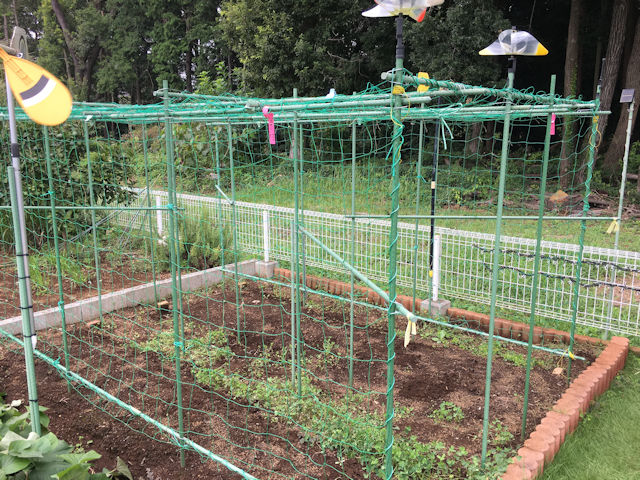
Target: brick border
column 545, row 441
column 502, row 326
column 563, row 418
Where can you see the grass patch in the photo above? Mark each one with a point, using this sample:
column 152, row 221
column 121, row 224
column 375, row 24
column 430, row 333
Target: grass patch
column 605, row 444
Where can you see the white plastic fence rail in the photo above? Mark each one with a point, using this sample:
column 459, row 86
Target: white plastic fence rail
column 464, row 262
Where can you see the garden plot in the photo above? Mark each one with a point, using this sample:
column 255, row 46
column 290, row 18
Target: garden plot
column 246, row 401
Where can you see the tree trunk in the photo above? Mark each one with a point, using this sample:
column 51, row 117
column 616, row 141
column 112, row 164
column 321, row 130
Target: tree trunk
column 66, row 33
column 571, row 82
column 188, row 67
column 631, row 80
column 615, row 47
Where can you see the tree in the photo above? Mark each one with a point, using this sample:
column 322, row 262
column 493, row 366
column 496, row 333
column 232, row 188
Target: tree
column 447, row 42
column 571, row 86
column 631, row 80
column 124, row 67
column 615, row 47
column 76, row 29
column 307, row 44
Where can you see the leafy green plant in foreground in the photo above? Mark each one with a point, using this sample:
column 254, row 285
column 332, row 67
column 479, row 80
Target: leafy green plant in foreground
column 25, row 455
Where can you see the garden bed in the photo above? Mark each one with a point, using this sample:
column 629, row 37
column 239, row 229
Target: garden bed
column 239, row 401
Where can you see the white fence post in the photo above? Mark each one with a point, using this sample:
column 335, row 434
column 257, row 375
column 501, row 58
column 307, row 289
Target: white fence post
column 159, row 216
column 265, row 234
column 437, row 253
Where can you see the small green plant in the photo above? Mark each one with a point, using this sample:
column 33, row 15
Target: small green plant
column 447, row 412
column 499, row 435
column 330, row 358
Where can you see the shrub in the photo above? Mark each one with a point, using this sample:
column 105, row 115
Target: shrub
column 200, row 243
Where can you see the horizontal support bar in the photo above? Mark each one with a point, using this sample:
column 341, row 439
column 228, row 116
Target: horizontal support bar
column 481, row 217
column 78, row 207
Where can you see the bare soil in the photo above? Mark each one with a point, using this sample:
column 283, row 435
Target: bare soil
column 242, row 431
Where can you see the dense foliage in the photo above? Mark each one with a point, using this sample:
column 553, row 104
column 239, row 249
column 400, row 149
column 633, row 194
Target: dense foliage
column 121, row 50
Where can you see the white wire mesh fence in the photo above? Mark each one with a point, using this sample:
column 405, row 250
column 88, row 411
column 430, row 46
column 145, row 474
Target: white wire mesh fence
column 609, row 293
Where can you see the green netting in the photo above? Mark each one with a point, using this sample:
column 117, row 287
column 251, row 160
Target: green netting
column 291, row 376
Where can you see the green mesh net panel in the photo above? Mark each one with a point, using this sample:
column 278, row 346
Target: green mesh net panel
column 288, row 376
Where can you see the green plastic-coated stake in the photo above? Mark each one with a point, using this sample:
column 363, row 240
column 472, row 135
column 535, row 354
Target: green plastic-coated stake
column 56, row 246
column 220, row 213
column 235, row 231
column 496, row 269
column 92, row 212
column 415, row 239
column 536, row 261
column 296, row 240
column 25, row 307
column 583, row 229
column 396, row 103
column 152, row 240
column 353, row 249
column 175, row 260
column 293, row 305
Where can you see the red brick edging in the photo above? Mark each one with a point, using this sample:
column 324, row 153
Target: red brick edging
column 544, row 442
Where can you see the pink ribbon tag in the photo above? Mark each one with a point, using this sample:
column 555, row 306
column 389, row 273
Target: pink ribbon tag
column 553, row 124
column 272, row 127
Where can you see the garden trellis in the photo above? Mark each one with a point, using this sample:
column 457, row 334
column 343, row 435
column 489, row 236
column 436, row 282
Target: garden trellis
column 211, row 370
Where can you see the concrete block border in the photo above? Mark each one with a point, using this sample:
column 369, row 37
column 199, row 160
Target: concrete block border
column 88, row 309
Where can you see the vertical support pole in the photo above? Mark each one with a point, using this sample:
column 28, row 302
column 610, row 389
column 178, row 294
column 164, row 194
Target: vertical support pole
column 221, row 226
column 496, row 269
column 623, row 182
column 295, row 272
column 434, row 182
column 159, row 216
column 583, row 230
column 353, row 250
column 536, row 261
column 56, row 245
column 25, row 306
column 398, row 127
column 293, row 306
column 235, row 230
column 265, row 234
column 152, row 237
column 437, row 255
column 175, row 261
column 415, row 239
column 94, row 227
column 15, row 163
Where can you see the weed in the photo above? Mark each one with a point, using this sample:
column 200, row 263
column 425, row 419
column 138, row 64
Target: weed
column 447, row 412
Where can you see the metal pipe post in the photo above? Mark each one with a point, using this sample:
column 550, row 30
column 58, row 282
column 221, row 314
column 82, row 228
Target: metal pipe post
column 496, row 269
column 56, row 245
column 398, row 127
column 623, row 182
column 536, row 261
column 15, row 163
column 175, row 260
column 25, row 306
column 94, row 226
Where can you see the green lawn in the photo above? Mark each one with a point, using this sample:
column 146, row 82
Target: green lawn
column 606, row 444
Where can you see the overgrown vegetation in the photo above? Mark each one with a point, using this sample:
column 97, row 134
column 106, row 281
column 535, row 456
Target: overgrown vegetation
column 200, row 243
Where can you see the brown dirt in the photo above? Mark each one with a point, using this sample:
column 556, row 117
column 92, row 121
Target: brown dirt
column 426, row 374
column 127, row 271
